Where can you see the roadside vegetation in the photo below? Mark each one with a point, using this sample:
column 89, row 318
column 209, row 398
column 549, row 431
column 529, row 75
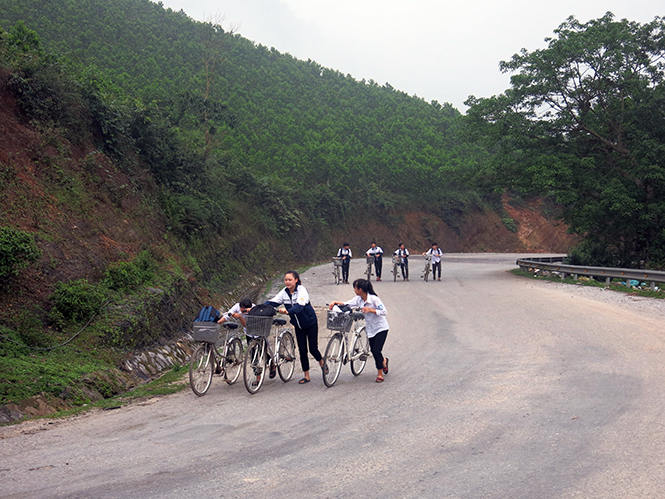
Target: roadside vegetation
column 615, row 284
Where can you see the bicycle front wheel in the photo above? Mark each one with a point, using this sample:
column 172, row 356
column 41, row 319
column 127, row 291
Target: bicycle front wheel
column 368, row 272
column 287, row 356
column 426, row 276
column 332, row 360
column 254, row 367
column 233, row 361
column 201, row 368
column 338, row 277
column 359, row 351
column 395, row 273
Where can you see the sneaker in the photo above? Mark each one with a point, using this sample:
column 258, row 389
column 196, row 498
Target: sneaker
column 439, row 278
column 378, row 279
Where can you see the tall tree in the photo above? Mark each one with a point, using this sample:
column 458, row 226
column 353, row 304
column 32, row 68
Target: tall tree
column 584, row 120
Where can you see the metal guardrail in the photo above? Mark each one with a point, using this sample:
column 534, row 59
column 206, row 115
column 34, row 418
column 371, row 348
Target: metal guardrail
column 650, row 276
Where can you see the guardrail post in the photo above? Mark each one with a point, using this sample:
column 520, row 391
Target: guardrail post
column 652, row 285
column 608, row 280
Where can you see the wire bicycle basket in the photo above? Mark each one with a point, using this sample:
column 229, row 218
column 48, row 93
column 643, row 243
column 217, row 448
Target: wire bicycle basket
column 337, row 262
column 206, row 332
column 339, row 321
column 258, row 325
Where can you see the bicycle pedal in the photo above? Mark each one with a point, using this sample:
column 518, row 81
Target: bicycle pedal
column 363, row 357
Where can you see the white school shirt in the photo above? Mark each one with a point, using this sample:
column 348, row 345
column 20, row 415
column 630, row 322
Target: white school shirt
column 345, row 252
column 374, row 323
column 375, row 251
column 235, row 309
column 401, row 252
column 436, row 255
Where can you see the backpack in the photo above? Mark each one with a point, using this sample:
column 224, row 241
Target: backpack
column 263, row 310
column 207, row 314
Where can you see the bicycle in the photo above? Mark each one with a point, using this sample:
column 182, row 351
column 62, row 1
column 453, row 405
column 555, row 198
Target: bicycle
column 337, row 352
column 337, row 269
column 368, row 271
column 207, row 360
column 397, row 264
column 428, row 267
column 256, row 361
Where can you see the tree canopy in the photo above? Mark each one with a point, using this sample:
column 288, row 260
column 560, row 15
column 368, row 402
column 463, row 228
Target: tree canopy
column 584, row 121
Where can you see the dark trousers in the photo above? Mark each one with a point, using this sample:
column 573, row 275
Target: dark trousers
column 303, row 337
column 376, row 343
column 378, row 266
column 405, row 269
column 345, row 269
column 435, row 266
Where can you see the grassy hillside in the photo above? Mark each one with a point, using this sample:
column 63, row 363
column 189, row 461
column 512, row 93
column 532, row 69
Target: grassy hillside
column 135, row 186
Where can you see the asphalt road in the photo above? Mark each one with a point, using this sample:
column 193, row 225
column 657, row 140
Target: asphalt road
column 499, row 387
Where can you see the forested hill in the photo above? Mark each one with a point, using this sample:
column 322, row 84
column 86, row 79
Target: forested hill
column 352, row 144
column 149, row 164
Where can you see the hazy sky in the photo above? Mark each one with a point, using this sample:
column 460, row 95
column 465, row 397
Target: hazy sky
column 439, row 50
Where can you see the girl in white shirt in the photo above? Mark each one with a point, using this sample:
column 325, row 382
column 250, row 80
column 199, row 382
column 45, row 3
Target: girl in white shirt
column 376, row 324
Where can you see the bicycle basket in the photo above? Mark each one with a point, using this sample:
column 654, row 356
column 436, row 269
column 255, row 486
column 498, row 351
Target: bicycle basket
column 370, row 259
column 339, row 321
column 207, row 332
column 337, row 262
column 257, row 325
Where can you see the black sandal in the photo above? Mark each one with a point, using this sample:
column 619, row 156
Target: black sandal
column 385, row 369
column 303, row 381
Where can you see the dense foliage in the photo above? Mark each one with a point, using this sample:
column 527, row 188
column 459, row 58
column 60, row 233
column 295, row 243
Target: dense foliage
column 584, row 120
column 298, row 142
column 18, row 249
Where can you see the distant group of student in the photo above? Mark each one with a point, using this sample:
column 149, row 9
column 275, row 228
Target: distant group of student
column 401, row 252
column 293, row 300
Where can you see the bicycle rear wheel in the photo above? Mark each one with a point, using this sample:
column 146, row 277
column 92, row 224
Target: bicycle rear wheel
column 287, row 356
column 359, row 351
column 254, row 367
column 332, row 360
column 201, row 368
column 234, row 360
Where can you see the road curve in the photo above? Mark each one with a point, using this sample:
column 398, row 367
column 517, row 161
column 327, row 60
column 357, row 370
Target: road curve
column 499, row 387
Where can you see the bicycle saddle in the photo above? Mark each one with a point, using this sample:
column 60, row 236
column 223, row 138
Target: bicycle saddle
column 279, row 321
column 230, row 325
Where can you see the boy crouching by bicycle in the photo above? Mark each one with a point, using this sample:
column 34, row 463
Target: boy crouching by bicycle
column 376, row 323
column 239, row 312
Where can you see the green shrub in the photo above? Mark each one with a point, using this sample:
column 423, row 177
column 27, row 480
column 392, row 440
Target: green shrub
column 510, row 224
column 76, row 301
column 129, row 275
column 17, row 250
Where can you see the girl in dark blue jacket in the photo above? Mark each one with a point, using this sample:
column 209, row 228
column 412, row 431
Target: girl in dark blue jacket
column 294, row 301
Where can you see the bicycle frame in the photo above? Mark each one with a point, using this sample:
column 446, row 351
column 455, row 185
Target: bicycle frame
column 339, row 350
column 337, row 269
column 256, row 361
column 207, row 360
column 428, row 267
column 368, row 272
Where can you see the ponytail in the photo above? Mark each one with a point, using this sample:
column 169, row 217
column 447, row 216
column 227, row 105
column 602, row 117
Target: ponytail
column 364, row 285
